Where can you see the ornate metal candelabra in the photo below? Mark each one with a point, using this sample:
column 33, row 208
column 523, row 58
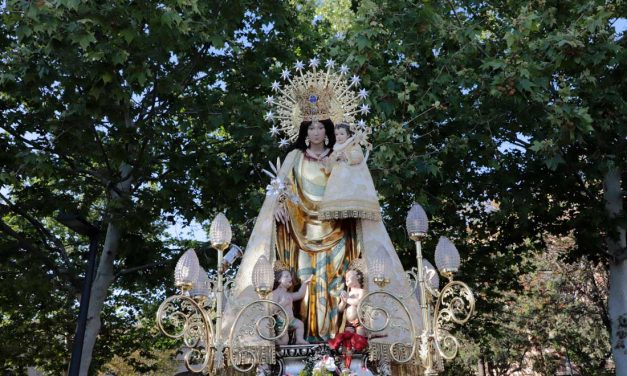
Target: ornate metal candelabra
column 195, row 314
column 439, row 309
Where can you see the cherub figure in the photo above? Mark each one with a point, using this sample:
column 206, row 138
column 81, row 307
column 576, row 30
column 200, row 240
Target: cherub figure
column 350, row 192
column 354, row 336
column 285, row 298
column 349, row 300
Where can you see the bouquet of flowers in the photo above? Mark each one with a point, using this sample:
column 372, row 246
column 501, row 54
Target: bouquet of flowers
column 325, row 366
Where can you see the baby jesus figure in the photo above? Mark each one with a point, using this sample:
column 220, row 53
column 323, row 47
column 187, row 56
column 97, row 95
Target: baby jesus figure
column 349, row 192
column 285, row 298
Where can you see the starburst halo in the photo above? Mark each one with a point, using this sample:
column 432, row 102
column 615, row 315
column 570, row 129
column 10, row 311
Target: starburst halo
column 310, row 95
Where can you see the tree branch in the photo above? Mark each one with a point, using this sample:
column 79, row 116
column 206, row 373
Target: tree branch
column 138, row 268
column 102, row 148
column 41, row 229
column 28, row 245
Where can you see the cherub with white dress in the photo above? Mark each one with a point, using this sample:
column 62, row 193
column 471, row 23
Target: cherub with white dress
column 349, row 192
column 282, row 296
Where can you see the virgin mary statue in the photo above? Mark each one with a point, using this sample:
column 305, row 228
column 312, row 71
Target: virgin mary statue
column 289, row 227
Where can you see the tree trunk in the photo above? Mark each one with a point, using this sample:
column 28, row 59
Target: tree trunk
column 480, row 367
column 104, row 276
column 617, row 298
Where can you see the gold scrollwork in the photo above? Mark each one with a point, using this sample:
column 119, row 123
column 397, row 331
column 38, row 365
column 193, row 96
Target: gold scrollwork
column 367, row 312
column 269, row 311
column 455, row 305
column 191, row 322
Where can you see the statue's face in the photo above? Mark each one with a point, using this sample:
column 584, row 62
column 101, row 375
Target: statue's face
column 286, row 279
column 351, row 279
column 340, row 135
column 316, row 133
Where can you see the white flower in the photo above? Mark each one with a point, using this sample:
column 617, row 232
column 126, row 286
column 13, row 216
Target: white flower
column 355, row 79
column 284, row 142
column 330, row 63
column 329, row 364
column 364, row 109
column 269, row 100
column 285, row 74
column 274, row 130
column 299, row 65
column 317, row 18
column 343, row 69
column 363, row 94
column 314, row 62
column 361, row 124
column 339, row 35
column 269, row 116
column 276, row 86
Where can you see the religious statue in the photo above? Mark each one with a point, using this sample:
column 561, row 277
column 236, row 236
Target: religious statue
column 321, row 210
column 285, row 298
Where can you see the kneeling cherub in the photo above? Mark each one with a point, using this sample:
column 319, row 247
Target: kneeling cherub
column 285, row 298
column 349, row 300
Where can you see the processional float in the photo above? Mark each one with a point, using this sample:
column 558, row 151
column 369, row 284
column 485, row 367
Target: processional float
column 243, row 338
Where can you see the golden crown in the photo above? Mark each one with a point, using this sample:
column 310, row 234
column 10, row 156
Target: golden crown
column 317, row 95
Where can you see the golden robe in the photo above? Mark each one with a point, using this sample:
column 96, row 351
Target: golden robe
column 314, row 247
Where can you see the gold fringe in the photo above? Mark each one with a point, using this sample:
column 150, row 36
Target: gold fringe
column 343, row 214
column 341, row 209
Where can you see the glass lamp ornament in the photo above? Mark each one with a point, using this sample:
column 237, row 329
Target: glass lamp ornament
column 201, row 287
column 263, row 276
column 378, row 271
column 220, row 232
column 417, row 222
column 446, row 257
column 186, row 270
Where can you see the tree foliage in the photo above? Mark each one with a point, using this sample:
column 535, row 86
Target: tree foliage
column 515, row 106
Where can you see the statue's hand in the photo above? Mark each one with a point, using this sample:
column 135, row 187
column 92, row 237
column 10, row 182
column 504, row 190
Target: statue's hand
column 308, row 280
column 281, row 216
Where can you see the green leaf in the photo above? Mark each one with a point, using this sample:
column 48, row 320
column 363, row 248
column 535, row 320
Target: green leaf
column 526, row 85
column 85, row 39
column 106, row 77
column 119, row 56
column 217, row 41
column 362, row 42
column 128, row 34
